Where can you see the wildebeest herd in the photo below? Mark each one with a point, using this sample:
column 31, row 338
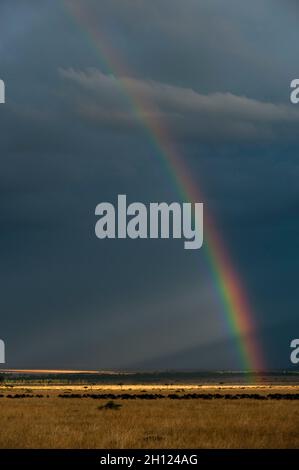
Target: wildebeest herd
column 172, row 396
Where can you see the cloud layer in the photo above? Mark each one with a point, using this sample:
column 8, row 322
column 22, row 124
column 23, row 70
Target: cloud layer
column 216, row 116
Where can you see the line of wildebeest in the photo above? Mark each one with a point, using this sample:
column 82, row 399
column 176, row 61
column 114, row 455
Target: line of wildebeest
column 172, row 396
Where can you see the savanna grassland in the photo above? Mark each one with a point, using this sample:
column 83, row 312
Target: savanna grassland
column 86, row 417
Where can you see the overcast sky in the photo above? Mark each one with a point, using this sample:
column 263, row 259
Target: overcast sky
column 217, row 74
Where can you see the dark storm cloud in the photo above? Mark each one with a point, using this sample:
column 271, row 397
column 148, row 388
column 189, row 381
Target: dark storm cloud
column 237, row 47
column 217, row 74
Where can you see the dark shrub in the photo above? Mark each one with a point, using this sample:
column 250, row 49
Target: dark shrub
column 110, row 405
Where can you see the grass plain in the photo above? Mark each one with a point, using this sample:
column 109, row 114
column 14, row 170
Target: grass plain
column 50, row 421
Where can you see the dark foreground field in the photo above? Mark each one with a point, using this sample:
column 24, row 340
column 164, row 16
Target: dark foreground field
column 60, row 417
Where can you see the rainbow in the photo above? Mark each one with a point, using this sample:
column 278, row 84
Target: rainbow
column 238, row 314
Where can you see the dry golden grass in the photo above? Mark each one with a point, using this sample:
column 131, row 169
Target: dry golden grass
column 54, row 422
